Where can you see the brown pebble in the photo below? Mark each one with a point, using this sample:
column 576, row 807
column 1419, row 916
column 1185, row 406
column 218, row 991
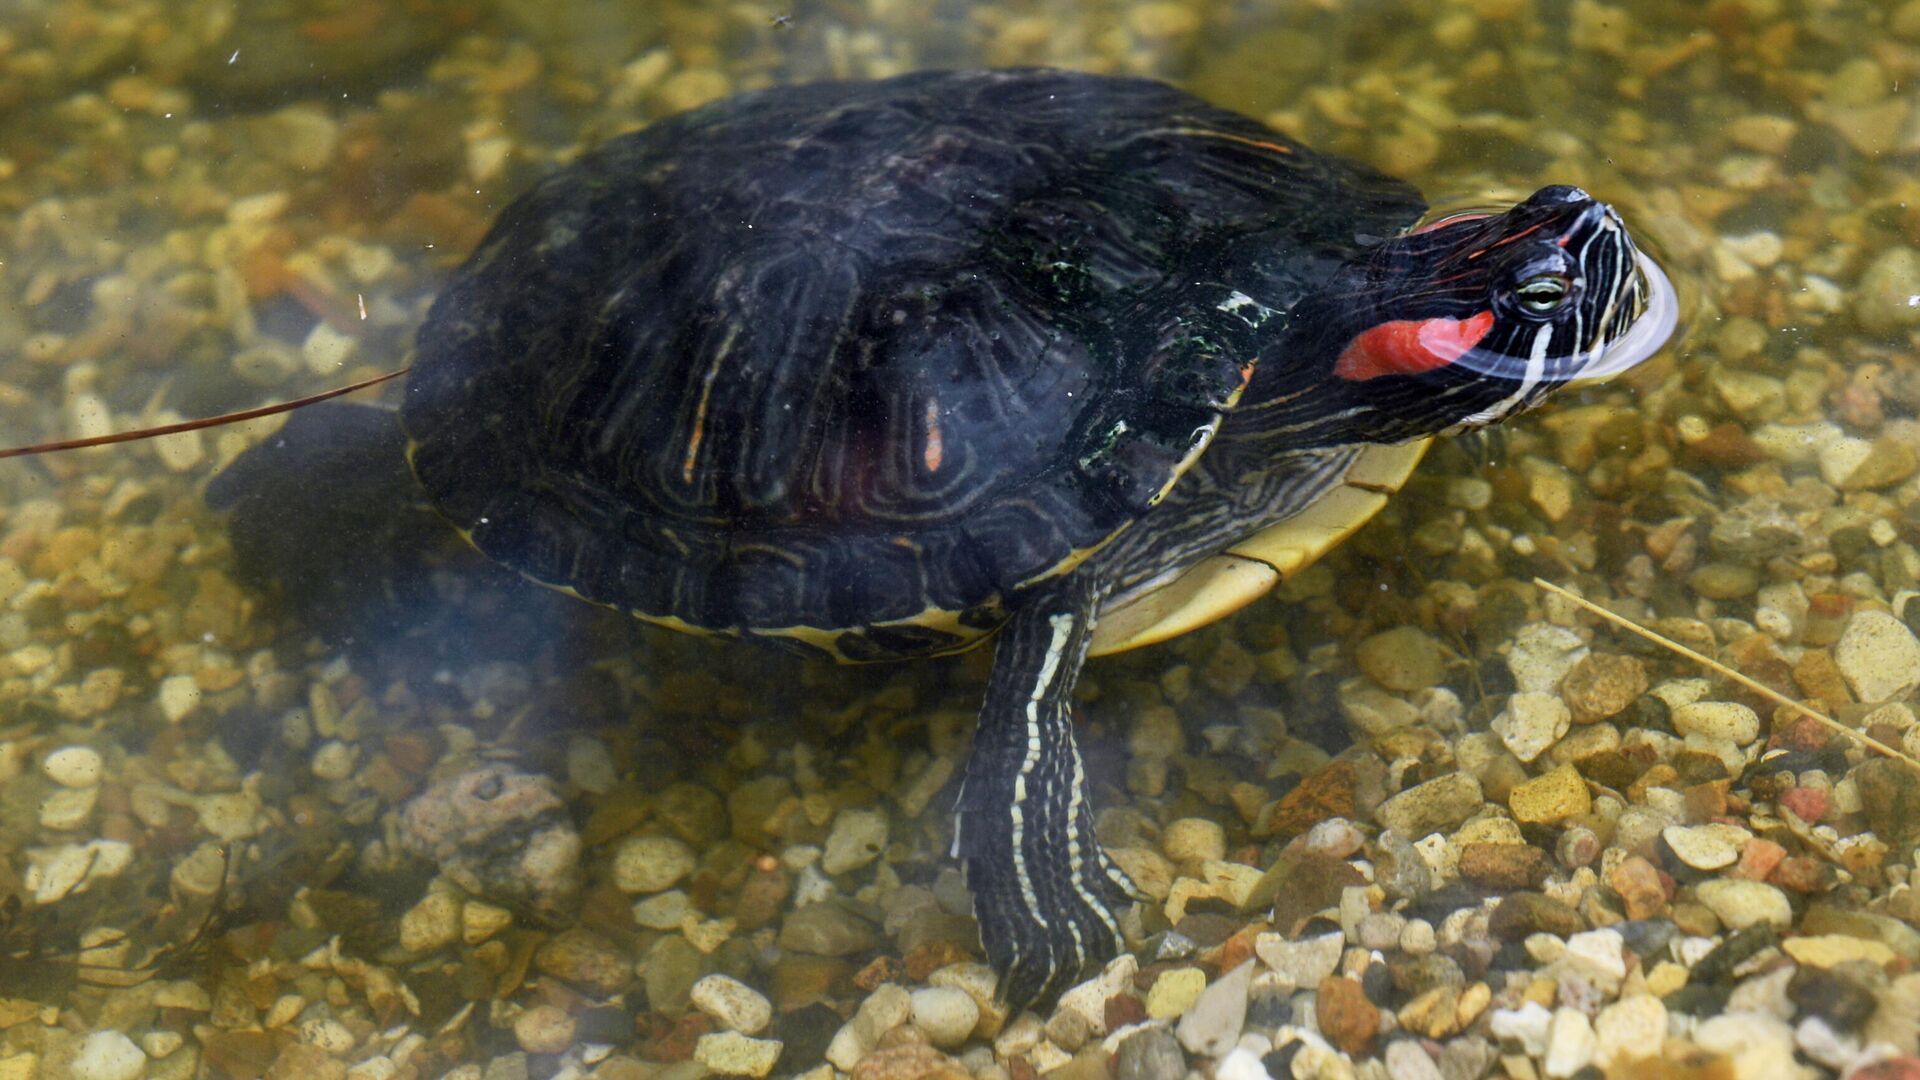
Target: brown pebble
column 1524, row 913
column 1504, row 866
column 585, row 959
column 1602, row 685
column 1122, row 1010
column 882, row 969
column 1328, row 793
column 1347, row 1019
column 1641, row 886
column 909, row 1063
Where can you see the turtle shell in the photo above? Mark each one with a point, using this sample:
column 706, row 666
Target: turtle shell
column 855, row 364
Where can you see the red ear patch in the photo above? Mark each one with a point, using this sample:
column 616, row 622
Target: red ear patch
column 1410, row 346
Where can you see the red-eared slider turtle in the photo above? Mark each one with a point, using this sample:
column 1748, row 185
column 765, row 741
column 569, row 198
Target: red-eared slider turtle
column 885, row 369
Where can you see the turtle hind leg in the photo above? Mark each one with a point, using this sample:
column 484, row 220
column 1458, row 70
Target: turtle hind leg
column 1044, row 893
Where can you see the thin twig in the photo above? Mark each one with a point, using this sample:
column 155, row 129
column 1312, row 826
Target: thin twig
column 1717, row 667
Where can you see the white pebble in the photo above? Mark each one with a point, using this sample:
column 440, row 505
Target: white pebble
column 74, row 766
column 68, row 808
column 732, row 1004
column 333, row 761
column 857, row 838
column 1570, row 1043
column 108, row 1055
column 179, row 696
column 947, row 1015
column 1194, row 840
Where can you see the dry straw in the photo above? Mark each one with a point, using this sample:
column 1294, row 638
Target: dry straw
column 1723, row 670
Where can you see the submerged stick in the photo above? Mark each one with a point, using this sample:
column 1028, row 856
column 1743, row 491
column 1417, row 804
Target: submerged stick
column 1719, row 668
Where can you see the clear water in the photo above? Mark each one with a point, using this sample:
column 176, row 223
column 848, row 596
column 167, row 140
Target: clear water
column 204, row 206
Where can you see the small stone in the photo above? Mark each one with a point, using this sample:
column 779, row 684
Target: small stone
column 1878, row 656
column 732, row 1004
column 1701, row 847
column 1150, row 1053
column 1403, row 659
column 1740, row 904
column 480, row 920
column 1600, row 955
column 947, row 1015
column 885, row 1009
column 1302, row 963
column 108, row 1055
column 1194, row 840
column 1602, row 685
column 1434, row 806
column 1551, row 798
column 1718, row 720
column 650, row 864
column 585, row 959
column 1531, row 723
column 74, row 766
column 733, row 1054
column 1639, row 885
column 665, row 911
column 826, row 929
column 1542, row 655
column 1213, row 1024
column 857, row 838
column 1628, row 1030
column 1174, row 992
column 1882, row 299
column 1406, row 1059
column 1570, row 1043
column 1504, row 867
column 544, row 1029
column 1832, row 950
column 1347, row 1019
column 431, row 924
column 178, row 695
column 68, row 809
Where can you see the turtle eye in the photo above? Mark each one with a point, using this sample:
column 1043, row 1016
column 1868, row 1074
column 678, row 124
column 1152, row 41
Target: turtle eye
column 1542, row 294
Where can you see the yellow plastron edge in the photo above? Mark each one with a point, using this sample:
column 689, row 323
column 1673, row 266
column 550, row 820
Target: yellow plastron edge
column 1219, row 586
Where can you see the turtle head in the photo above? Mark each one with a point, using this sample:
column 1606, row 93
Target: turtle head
column 1471, row 319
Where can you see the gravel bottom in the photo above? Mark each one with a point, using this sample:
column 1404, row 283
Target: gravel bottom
column 1416, row 818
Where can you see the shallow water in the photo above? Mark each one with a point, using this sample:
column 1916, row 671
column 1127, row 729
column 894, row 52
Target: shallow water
column 204, row 206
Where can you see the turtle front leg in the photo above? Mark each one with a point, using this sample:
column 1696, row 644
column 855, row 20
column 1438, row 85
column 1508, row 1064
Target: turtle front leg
column 1043, row 891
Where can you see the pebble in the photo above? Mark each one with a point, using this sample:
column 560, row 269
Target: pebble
column 733, row 1054
column 1542, row 655
column 1403, row 659
column 1740, row 904
column 544, row 1029
column 1434, row 806
column 1532, row 722
column 1702, row 847
column 1174, row 992
column 108, row 1055
column 1832, row 950
column 732, row 1004
column 857, row 838
column 1551, row 798
column 433, row 923
column 947, row 1015
column 74, row 766
column 1406, row 1059
column 1089, row 999
column 1600, row 955
column 885, row 1009
column 1302, row 963
column 1631, row 1028
column 650, row 864
column 1878, row 656
column 827, row 929
column 68, row 809
column 1150, row 1053
column 178, row 696
column 1718, row 720
column 1194, row 841
column 1346, row 1018
column 1880, row 300
column 1213, row 1024
column 1602, row 685
column 664, row 911
column 1570, row 1043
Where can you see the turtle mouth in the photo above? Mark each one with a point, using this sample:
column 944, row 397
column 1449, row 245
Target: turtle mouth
column 1655, row 307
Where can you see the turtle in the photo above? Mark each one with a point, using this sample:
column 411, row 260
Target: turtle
column 1065, row 362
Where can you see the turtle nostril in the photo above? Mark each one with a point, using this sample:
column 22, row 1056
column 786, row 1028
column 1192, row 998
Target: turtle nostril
column 1560, row 193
